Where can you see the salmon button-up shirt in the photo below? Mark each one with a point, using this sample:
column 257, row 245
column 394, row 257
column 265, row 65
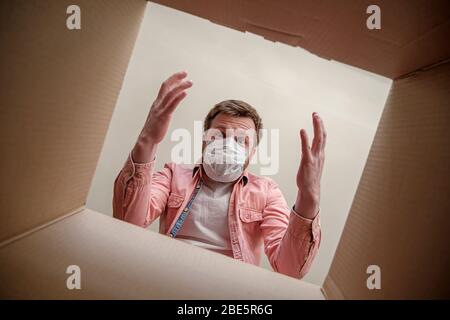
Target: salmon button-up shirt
column 258, row 214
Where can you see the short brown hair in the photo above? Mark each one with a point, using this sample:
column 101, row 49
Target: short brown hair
column 235, row 108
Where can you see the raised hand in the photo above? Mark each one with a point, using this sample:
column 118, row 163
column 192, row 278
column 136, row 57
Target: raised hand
column 310, row 170
column 172, row 91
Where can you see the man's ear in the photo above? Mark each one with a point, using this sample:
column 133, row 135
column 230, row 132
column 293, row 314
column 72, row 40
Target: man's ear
column 249, row 159
column 252, row 153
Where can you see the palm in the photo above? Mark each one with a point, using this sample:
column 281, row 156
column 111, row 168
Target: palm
column 171, row 93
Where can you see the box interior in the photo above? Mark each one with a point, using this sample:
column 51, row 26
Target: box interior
column 59, row 89
column 399, row 216
column 59, row 92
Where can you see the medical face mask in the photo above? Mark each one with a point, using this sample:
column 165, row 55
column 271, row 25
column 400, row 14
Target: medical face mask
column 224, row 160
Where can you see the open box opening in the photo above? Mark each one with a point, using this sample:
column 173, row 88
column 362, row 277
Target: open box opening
column 53, row 135
column 284, row 83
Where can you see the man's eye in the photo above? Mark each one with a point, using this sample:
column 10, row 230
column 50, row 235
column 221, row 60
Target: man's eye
column 240, row 140
column 212, row 136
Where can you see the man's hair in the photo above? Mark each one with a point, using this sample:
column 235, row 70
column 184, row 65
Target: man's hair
column 235, row 108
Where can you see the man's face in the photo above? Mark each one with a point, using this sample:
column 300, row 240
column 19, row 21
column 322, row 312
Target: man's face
column 241, row 129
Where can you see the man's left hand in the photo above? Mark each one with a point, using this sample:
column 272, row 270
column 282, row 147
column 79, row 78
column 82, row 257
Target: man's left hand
column 310, row 170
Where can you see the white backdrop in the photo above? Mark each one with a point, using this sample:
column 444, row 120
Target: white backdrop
column 283, row 83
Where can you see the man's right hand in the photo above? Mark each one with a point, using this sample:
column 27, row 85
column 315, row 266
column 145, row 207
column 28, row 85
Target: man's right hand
column 172, row 91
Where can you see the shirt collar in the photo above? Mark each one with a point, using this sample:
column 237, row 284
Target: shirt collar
column 243, row 178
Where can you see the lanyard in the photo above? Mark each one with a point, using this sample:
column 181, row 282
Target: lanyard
column 182, row 217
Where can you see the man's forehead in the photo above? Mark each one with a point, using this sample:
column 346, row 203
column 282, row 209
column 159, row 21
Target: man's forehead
column 224, row 121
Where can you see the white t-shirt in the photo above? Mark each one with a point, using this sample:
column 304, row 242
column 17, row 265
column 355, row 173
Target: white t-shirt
column 206, row 225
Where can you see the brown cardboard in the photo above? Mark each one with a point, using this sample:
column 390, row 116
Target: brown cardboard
column 400, row 219
column 59, row 88
column 119, row 260
column 414, row 33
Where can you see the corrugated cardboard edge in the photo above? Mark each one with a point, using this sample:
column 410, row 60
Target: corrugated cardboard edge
column 40, row 227
column 423, row 69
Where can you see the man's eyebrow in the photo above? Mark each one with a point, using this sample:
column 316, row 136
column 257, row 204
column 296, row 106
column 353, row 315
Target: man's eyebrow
column 223, row 130
column 220, row 128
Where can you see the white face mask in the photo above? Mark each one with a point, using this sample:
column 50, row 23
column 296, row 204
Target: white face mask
column 224, row 160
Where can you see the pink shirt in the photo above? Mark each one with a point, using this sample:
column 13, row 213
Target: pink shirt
column 257, row 213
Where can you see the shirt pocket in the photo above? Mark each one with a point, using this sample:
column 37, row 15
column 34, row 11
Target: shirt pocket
column 175, row 200
column 249, row 215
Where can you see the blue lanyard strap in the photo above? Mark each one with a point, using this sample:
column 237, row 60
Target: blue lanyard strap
column 186, row 210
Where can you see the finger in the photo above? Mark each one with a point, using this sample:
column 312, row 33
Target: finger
column 306, row 151
column 168, row 98
column 324, row 134
column 176, row 101
column 318, row 134
column 173, row 79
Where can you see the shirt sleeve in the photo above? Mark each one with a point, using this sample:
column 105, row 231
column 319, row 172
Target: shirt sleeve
column 140, row 195
column 291, row 241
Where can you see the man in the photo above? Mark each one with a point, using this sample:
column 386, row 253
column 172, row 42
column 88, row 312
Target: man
column 219, row 205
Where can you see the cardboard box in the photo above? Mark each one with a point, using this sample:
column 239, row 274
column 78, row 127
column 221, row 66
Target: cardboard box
column 59, row 89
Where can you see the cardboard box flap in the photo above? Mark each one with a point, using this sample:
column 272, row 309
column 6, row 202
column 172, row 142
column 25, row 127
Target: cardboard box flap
column 413, row 34
column 399, row 220
column 59, row 89
column 118, row 260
